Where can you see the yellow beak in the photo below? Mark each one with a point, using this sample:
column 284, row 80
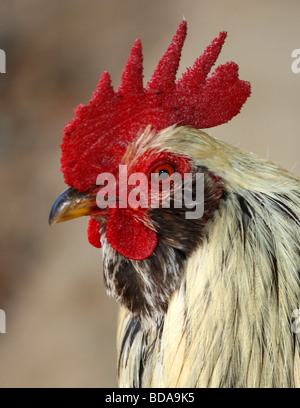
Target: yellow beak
column 71, row 204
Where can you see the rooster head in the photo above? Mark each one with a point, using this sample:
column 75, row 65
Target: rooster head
column 117, row 128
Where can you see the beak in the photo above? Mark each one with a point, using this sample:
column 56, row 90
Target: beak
column 72, row 204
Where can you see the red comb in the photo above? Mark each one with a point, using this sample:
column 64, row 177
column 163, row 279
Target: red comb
column 96, row 139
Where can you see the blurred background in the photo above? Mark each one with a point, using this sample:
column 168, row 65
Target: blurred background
column 61, row 326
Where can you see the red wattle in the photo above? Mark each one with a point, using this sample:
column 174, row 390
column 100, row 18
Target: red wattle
column 94, row 235
column 129, row 236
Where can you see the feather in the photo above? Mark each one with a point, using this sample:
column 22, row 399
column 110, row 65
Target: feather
column 229, row 322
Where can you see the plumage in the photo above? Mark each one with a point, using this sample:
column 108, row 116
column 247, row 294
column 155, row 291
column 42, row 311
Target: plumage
column 229, row 322
column 205, row 301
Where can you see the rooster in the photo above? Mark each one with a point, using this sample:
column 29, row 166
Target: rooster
column 207, row 301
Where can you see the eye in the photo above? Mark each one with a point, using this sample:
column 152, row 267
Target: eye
column 163, row 173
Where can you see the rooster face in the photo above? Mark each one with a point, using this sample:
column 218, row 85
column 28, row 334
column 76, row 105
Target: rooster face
column 146, row 246
column 145, row 249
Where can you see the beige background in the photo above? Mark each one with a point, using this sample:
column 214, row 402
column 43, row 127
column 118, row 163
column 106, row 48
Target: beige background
column 60, row 323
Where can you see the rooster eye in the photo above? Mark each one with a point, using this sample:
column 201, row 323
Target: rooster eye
column 163, row 173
